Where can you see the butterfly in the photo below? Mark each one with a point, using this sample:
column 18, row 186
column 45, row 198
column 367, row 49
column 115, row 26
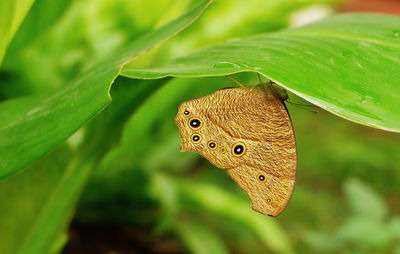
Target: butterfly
column 248, row 132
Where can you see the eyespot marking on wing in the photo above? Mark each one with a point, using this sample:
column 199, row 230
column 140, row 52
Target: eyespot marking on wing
column 262, row 178
column 195, row 123
column 239, row 149
column 196, row 138
column 212, row 144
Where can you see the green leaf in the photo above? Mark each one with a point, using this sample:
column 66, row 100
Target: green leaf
column 199, row 239
column 225, row 204
column 322, row 242
column 347, row 64
column 364, row 201
column 52, row 211
column 236, row 19
column 394, row 227
column 128, row 95
column 164, row 190
column 364, row 233
column 35, row 24
column 12, row 13
column 36, row 204
column 35, row 47
column 31, row 127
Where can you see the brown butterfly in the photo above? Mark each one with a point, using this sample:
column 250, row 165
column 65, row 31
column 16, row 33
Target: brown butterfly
column 248, row 132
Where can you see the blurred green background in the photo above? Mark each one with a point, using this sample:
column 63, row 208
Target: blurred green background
column 144, row 196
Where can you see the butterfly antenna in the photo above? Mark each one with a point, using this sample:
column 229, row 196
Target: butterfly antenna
column 237, row 82
column 259, row 78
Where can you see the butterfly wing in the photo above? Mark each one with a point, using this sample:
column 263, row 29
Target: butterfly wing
column 253, row 139
column 269, row 194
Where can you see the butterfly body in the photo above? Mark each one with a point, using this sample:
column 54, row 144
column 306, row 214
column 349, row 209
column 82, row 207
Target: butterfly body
column 248, row 132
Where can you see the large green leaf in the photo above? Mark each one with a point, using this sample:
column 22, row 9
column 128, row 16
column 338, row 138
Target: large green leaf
column 12, row 13
column 32, row 126
column 347, row 64
column 235, row 19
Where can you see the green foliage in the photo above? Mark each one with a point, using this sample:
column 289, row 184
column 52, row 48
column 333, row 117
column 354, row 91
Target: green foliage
column 69, row 143
column 12, row 13
column 48, row 120
column 341, row 49
column 196, row 235
column 140, row 129
column 367, row 230
column 36, row 205
column 363, row 201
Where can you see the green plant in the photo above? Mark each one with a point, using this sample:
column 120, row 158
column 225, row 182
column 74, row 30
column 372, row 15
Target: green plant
column 369, row 229
column 352, row 53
